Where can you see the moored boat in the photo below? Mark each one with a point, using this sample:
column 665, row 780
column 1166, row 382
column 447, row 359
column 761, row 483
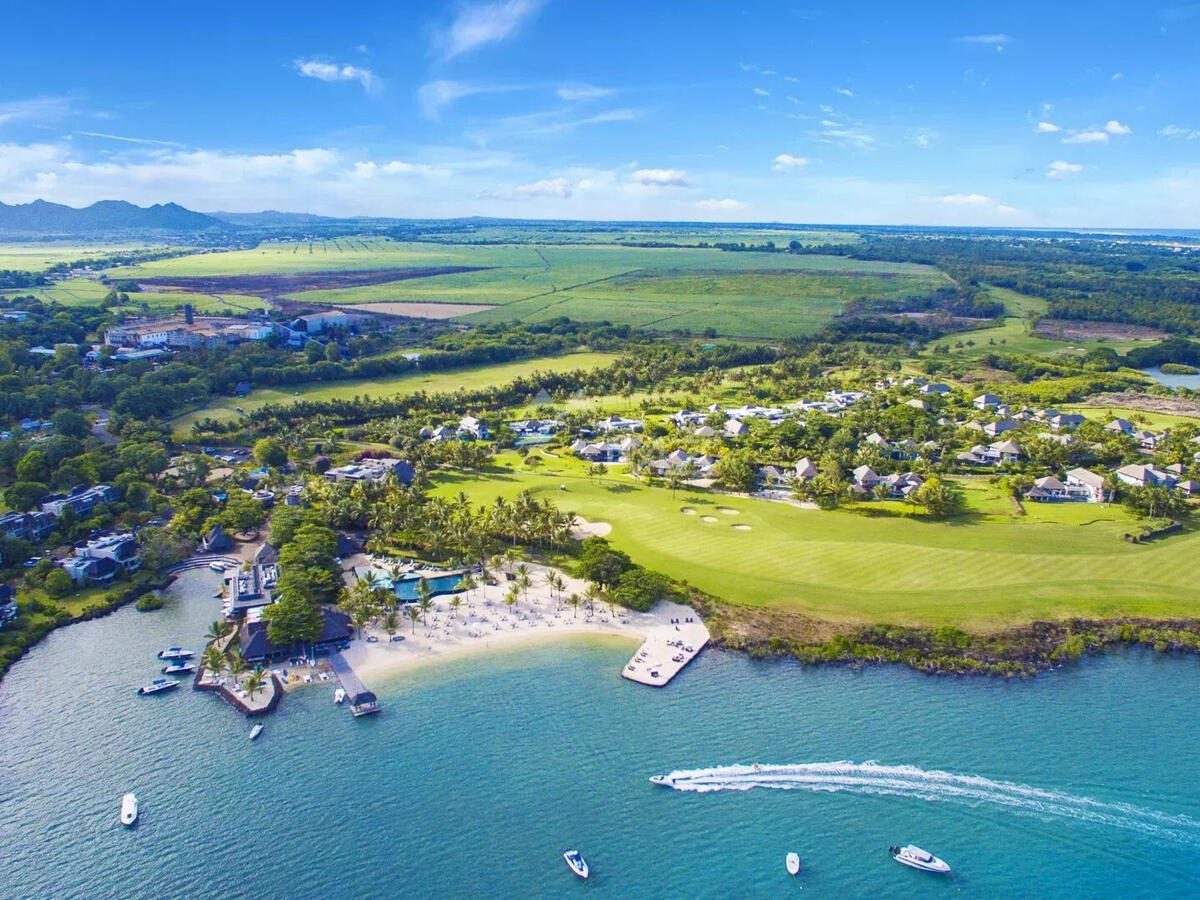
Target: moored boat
column 916, row 858
column 129, row 810
column 175, row 653
column 158, row 685
column 217, row 567
column 179, row 668
column 793, row 863
column 576, row 863
column 339, row 695
column 256, row 730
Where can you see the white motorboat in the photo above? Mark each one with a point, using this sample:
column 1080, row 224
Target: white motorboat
column 179, row 668
column 256, row 730
column 217, row 567
column 339, row 695
column 793, row 863
column 157, row 685
column 175, row 653
column 576, row 863
column 662, row 780
column 129, row 810
column 916, row 858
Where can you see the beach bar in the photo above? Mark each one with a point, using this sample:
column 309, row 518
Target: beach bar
column 361, row 701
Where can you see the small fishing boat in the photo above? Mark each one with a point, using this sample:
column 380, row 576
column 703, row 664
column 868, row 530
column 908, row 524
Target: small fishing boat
column 179, row 668
column 175, row 653
column 129, row 812
column 576, row 863
column 916, row 858
column 793, row 863
column 217, row 567
column 256, row 730
column 339, row 695
column 157, row 685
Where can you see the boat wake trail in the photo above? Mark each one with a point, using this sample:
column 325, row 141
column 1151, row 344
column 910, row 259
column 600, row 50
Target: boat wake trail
column 911, row 781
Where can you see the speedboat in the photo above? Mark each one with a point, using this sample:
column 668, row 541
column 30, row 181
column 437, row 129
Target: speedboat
column 793, row 863
column 339, row 695
column 916, row 858
column 576, row 863
column 662, row 780
column 158, row 684
column 128, row 810
column 179, row 668
column 217, row 567
column 175, row 653
column 256, row 730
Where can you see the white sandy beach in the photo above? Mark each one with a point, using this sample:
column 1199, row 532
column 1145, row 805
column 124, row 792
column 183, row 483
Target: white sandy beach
column 484, row 623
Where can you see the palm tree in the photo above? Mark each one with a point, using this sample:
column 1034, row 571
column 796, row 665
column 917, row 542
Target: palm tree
column 217, row 630
column 391, row 619
column 424, row 597
column 255, row 681
column 573, row 601
column 455, row 603
column 214, row 660
column 523, row 580
column 593, row 593
column 413, row 615
column 510, row 598
column 237, row 663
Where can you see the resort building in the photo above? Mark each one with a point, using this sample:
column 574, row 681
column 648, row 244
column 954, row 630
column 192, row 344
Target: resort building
column 257, row 646
column 681, row 461
column 993, row 454
column 374, row 471
column 102, row 559
column 82, row 499
column 187, row 332
column 1088, row 485
column 26, row 526
column 618, row 423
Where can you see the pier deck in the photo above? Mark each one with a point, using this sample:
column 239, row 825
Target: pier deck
column 361, row 701
column 655, row 662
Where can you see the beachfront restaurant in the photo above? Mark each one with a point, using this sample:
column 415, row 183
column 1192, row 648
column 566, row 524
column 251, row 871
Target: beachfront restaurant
column 256, row 646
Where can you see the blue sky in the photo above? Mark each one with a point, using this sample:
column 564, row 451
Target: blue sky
column 1024, row 114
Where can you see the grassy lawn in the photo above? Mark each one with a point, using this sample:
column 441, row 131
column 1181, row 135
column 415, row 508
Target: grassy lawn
column 875, row 563
column 1154, row 421
column 225, row 408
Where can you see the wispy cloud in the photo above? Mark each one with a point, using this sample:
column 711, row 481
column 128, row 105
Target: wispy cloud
column 128, row 140
column 1091, row 136
column 993, row 39
column 845, row 136
column 661, row 177
column 725, row 204
column 785, row 162
column 762, row 92
column 845, row 92
column 1046, row 128
column 547, row 187
column 976, row 201
column 434, row 95
column 1173, row 131
column 583, row 92
column 1060, row 169
column 36, row 109
column 479, row 24
column 332, row 72
column 397, row 167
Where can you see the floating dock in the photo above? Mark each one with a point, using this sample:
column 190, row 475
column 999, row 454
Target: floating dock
column 666, row 651
column 361, row 701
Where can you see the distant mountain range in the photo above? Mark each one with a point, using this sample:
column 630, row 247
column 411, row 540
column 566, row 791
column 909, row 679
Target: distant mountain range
column 41, row 217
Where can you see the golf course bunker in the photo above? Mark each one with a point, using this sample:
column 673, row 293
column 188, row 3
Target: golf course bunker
column 688, row 511
column 741, row 527
column 726, row 511
column 709, row 519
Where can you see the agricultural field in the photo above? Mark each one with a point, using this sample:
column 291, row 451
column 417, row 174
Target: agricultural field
column 739, row 294
column 225, row 409
column 40, row 257
column 675, row 234
column 87, row 292
column 875, row 563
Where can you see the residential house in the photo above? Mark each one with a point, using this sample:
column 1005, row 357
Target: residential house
column 983, row 401
column 686, row 418
column 936, row 388
column 865, row 478
column 705, row 431
column 618, row 423
column 1147, row 476
column 995, row 429
column 993, row 454
column 26, row 526
column 734, row 428
column 773, row 477
column 82, row 499
column 472, row 429
column 1088, row 485
column 215, row 540
column 805, row 470
column 679, row 460
column 374, row 471
column 1048, row 489
column 901, row 484
column 1066, row 421
column 1120, row 426
column 917, row 404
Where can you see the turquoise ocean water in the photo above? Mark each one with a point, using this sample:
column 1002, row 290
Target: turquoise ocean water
column 1081, row 783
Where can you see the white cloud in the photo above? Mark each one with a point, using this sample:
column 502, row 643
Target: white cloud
column 794, row 99
column 397, row 167
column 1046, row 128
column 1092, row 136
column 967, row 200
column 1176, row 131
column 726, row 204
column 762, row 93
column 844, row 136
column 1115, row 127
column 1117, row 76
column 785, row 162
column 992, row 39
column 1060, row 169
column 324, row 71
column 845, row 92
column 546, row 187
column 434, row 95
column 479, row 24
column 661, row 177
column 38, row 109
column 583, row 92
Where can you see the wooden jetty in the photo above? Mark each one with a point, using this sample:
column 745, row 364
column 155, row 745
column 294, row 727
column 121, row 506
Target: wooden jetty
column 666, row 651
column 361, row 701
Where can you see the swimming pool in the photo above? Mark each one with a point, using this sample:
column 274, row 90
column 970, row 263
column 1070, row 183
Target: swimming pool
column 406, row 588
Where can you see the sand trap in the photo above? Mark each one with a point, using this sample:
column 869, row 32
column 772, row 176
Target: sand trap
column 583, row 529
column 688, row 511
column 726, row 511
column 709, row 519
column 742, row 527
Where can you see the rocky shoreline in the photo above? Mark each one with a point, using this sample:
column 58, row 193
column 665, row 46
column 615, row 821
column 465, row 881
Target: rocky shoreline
column 1018, row 651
